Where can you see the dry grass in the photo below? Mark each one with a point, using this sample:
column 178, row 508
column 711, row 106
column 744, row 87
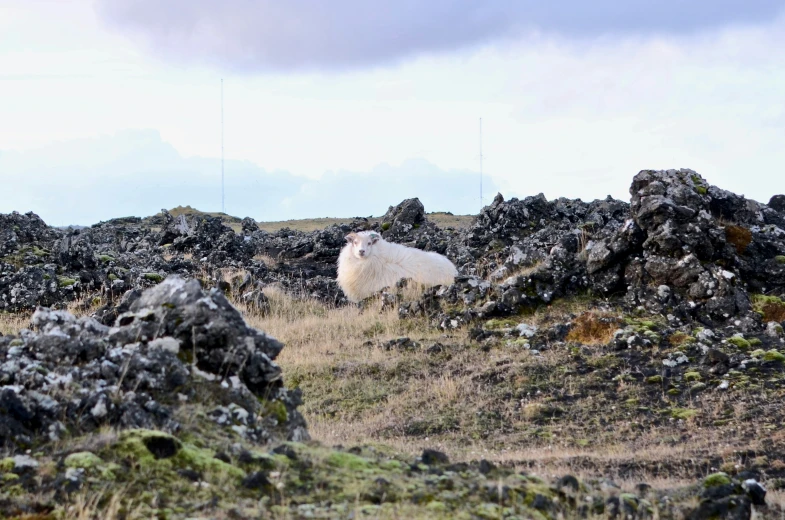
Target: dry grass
column 739, row 236
column 268, row 260
column 594, row 328
column 91, row 506
column 772, row 308
column 312, row 330
column 11, row 324
column 499, row 403
column 523, row 270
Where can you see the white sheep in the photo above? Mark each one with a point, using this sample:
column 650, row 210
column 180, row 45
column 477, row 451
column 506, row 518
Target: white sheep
column 368, row 263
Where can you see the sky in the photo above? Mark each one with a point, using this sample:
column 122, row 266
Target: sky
column 111, row 108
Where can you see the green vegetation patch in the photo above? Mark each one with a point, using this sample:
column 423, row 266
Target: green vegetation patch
column 64, row 281
column 153, row 277
column 771, row 308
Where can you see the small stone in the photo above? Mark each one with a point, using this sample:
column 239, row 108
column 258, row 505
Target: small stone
column 24, row 464
column 755, row 491
column 431, row 457
column 526, row 330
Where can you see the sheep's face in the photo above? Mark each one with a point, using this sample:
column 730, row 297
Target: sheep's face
column 362, row 244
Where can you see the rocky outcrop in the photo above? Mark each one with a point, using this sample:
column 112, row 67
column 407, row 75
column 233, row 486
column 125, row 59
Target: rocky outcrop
column 681, row 246
column 170, row 345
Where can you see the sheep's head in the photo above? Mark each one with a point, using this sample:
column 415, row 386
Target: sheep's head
column 362, row 243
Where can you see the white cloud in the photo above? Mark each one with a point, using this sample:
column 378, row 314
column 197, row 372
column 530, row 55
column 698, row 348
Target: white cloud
column 564, row 117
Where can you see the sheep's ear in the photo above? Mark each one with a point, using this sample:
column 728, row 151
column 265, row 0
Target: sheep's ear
column 350, row 237
column 374, row 238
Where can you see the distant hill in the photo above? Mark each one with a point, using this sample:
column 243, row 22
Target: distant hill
column 441, row 219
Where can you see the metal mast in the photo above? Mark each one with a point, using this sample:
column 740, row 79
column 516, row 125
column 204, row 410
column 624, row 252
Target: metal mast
column 481, row 206
column 223, row 208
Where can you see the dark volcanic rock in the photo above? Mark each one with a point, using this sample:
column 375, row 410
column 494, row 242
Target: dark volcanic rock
column 681, row 246
column 175, row 342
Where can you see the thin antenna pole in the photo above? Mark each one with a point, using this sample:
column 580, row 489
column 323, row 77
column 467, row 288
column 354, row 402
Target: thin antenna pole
column 223, row 209
column 481, row 206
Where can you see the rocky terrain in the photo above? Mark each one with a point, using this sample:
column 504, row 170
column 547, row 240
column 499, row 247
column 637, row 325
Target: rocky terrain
column 643, row 339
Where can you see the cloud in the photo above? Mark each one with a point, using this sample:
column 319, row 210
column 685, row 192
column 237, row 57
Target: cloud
column 270, row 35
column 84, row 181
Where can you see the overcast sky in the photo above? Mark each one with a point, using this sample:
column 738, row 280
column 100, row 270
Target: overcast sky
column 112, row 107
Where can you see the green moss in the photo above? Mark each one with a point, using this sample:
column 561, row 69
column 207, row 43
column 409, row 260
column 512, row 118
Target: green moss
column 683, row 413
column 654, row 380
column 771, row 308
column 132, row 446
column 6, row 464
column 702, row 190
column 277, row 409
column 774, row 356
column 153, row 277
column 9, row 477
column 204, row 460
column 496, row 324
column 780, row 259
column 754, row 342
column 698, row 387
column 348, row 461
column 385, row 226
column 82, row 459
column 692, row 376
column 717, row 479
column 739, row 342
column 105, row 258
column 757, row 353
column 64, row 281
column 112, row 276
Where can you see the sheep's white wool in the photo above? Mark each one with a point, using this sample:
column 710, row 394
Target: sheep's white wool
column 368, row 263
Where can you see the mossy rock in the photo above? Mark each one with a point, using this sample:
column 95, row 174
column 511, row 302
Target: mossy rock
column 153, row 277
column 82, row 459
column 739, row 342
column 105, row 258
column 497, row 324
column 654, row 380
column 774, row 356
column 164, row 452
column 6, row 464
column 277, row 409
column 64, row 281
column 698, row 387
column 771, row 308
column 8, row 477
column 717, row 479
column 692, row 376
column 780, row 259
